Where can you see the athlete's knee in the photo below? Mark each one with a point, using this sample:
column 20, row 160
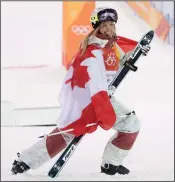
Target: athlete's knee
column 132, row 122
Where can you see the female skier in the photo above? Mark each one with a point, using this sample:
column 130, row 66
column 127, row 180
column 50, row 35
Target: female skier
column 84, row 99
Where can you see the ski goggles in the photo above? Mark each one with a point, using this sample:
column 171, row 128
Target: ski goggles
column 107, row 16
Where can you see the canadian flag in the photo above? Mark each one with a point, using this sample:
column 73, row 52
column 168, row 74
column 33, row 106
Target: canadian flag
column 84, row 95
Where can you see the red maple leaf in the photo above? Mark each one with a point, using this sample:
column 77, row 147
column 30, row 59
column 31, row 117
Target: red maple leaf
column 80, row 75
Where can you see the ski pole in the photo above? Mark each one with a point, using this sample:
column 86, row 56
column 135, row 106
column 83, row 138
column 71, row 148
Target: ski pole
column 65, row 131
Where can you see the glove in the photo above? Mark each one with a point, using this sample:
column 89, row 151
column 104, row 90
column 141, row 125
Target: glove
column 145, row 49
column 81, row 129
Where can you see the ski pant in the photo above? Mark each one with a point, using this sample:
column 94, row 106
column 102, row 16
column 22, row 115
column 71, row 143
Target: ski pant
column 127, row 127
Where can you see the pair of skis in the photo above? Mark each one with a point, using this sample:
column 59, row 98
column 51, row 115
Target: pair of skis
column 129, row 65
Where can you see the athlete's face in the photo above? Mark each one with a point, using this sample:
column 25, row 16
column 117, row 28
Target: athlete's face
column 107, row 28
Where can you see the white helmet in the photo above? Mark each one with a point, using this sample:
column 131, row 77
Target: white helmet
column 101, row 15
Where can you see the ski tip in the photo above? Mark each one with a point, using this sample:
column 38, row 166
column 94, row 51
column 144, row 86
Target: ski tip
column 148, row 37
column 151, row 32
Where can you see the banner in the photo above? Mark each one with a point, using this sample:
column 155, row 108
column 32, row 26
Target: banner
column 76, row 25
column 151, row 16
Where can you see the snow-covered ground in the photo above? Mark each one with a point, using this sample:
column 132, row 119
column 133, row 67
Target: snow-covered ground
column 149, row 91
column 150, row 159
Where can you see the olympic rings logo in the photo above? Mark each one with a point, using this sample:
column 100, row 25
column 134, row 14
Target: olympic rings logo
column 111, row 59
column 81, row 29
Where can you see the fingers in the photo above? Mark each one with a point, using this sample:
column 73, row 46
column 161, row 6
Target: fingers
column 145, row 49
